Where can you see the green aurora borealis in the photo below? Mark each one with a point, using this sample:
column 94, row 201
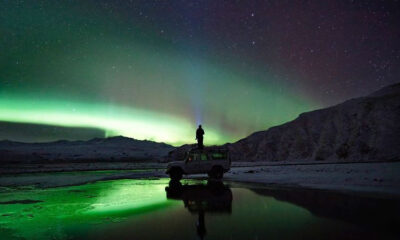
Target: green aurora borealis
column 81, row 66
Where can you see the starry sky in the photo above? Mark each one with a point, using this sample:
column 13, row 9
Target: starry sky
column 153, row 70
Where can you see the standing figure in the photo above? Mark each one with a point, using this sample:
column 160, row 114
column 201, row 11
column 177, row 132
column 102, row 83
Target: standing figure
column 199, row 137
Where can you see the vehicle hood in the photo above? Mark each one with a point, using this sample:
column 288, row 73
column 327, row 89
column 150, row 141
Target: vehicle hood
column 175, row 163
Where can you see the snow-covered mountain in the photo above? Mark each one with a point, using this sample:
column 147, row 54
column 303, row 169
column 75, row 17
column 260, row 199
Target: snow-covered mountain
column 361, row 129
column 95, row 150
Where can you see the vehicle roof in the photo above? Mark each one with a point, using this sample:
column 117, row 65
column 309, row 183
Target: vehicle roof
column 209, row 150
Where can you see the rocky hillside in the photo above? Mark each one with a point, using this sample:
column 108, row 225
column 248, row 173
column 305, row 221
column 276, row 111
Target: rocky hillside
column 361, row 129
column 95, row 150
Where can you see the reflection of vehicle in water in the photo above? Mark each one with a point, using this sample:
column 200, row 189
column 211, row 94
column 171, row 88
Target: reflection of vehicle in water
column 214, row 161
column 213, row 197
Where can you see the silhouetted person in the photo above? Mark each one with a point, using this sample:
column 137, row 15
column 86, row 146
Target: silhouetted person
column 199, row 137
column 201, row 226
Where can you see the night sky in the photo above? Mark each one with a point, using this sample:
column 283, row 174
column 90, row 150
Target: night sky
column 155, row 69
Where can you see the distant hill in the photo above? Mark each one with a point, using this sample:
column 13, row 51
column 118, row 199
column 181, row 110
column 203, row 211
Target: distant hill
column 95, row 150
column 361, row 129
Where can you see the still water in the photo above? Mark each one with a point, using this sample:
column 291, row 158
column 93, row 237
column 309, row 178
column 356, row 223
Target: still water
column 192, row 209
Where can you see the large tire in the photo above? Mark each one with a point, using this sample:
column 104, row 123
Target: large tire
column 216, row 172
column 175, row 174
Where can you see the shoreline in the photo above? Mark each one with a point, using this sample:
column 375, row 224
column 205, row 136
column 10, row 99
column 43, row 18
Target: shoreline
column 369, row 178
column 31, row 168
column 372, row 179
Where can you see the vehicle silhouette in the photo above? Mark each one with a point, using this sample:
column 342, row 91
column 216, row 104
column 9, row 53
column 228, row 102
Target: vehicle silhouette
column 213, row 197
column 215, row 161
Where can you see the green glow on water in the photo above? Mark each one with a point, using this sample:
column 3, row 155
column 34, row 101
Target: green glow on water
column 77, row 206
column 122, row 197
column 139, row 209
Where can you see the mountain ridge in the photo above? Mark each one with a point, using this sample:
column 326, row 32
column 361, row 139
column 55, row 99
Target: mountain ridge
column 359, row 129
column 111, row 149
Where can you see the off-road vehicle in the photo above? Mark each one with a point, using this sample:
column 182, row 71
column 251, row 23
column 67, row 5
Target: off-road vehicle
column 214, row 161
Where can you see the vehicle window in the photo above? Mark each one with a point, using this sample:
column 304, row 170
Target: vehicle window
column 204, row 157
column 218, row 156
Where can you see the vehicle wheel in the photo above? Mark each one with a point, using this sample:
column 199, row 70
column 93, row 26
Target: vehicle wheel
column 175, row 174
column 216, row 172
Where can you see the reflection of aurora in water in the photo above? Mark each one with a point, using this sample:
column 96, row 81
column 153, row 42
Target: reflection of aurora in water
column 125, row 198
column 139, row 209
column 78, row 207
